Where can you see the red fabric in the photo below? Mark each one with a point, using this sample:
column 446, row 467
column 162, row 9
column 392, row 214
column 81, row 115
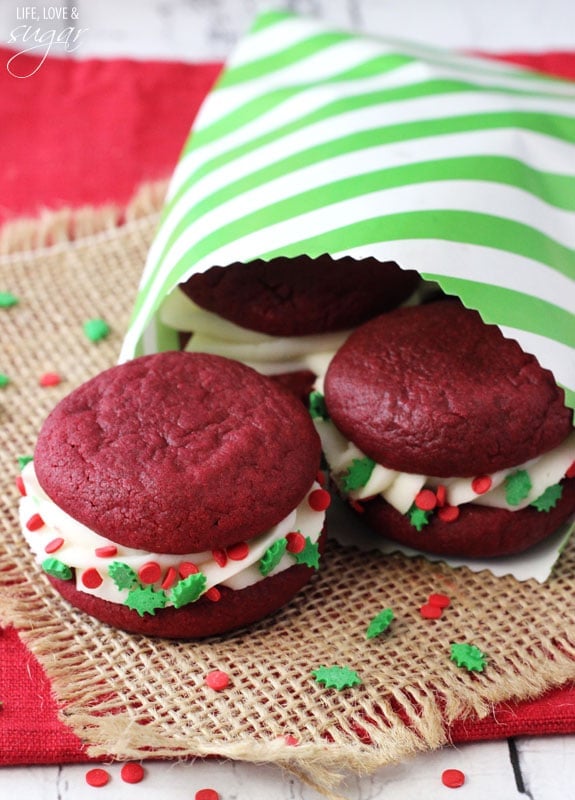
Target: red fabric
column 90, row 132
column 86, row 133
column 30, row 730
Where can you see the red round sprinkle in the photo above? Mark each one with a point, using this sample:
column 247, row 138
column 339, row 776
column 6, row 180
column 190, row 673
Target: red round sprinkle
column 481, row 484
column 448, row 513
column 295, row 542
column 97, row 777
column 150, row 572
column 214, row 594
column 439, row 600
column 217, row 680
column 319, row 500
column 54, row 545
column 187, row 568
column 50, row 379
column 170, row 578
column 452, row 778
column 35, row 522
column 20, row 485
column 91, row 578
column 570, row 471
column 206, row 794
column 220, row 557
column 107, row 551
column 291, row 740
column 132, row 772
column 426, row 500
column 430, row 612
column 320, row 477
column 441, row 495
column 239, row 551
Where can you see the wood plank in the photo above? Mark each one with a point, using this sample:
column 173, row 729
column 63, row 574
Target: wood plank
column 547, row 766
column 486, row 766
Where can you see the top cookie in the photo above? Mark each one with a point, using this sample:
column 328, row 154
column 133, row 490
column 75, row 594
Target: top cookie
column 434, row 390
column 301, row 296
column 178, row 452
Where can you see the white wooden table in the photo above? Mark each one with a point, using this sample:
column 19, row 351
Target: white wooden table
column 539, row 768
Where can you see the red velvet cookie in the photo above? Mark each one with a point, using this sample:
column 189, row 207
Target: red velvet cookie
column 433, row 389
column 301, row 296
column 163, row 492
column 464, row 445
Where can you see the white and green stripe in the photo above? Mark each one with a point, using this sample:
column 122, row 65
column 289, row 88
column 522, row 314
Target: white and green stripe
column 317, row 141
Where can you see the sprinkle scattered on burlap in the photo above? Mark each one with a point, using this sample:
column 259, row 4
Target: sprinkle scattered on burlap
column 128, row 697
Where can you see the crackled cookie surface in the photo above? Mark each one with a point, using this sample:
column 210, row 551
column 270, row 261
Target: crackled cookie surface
column 175, row 450
column 433, row 390
column 301, row 296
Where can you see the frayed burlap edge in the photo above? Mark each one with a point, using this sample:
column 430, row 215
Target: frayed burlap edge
column 130, row 697
column 55, row 227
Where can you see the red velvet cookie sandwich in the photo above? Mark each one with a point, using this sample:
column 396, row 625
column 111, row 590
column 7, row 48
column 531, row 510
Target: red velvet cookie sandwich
column 446, row 435
column 175, row 495
column 285, row 316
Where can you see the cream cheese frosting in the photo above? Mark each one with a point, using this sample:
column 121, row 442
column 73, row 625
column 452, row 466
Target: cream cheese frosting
column 400, row 489
column 269, row 355
column 54, row 536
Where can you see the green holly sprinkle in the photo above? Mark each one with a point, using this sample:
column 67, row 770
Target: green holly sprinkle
column 188, row 590
column 418, row 517
column 4, row 380
column 23, row 460
column 123, row 575
column 379, row 623
column 57, row 569
column 272, row 556
column 336, row 677
column 358, row 473
column 468, row 656
column 310, row 555
column 96, row 329
column 7, row 299
column 145, row 599
column 517, row 487
column 317, row 407
column 549, row 498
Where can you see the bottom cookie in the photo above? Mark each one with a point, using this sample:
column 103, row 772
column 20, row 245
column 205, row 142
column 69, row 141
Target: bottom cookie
column 233, row 609
column 478, row 532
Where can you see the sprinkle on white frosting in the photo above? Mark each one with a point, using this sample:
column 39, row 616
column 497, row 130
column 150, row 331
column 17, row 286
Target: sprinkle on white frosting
column 80, row 543
column 399, row 489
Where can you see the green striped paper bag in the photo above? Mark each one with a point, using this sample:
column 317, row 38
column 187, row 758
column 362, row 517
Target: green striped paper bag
column 318, row 141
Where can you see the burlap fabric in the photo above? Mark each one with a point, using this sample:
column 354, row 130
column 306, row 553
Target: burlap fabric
column 130, row 697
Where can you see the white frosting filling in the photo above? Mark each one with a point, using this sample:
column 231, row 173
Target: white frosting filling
column 78, row 550
column 399, row 489
column 269, row 355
